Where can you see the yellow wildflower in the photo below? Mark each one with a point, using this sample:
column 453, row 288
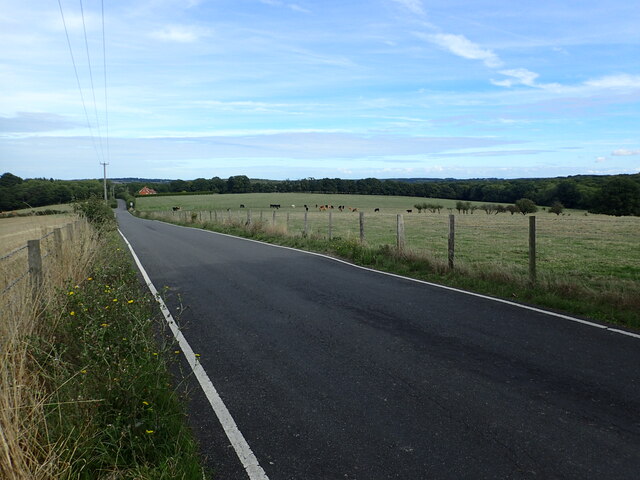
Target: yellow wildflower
column 130, row 301
column 104, row 324
column 72, row 313
column 149, row 432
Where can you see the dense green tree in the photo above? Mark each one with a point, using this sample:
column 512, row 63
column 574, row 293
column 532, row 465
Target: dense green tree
column 568, row 194
column 9, row 180
column 526, row 205
column 239, row 184
column 556, row 208
column 619, row 196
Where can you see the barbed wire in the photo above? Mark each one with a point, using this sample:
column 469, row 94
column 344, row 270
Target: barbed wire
column 11, row 254
column 15, row 282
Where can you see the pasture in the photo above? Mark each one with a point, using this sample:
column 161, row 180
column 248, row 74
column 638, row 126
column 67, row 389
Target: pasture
column 596, row 253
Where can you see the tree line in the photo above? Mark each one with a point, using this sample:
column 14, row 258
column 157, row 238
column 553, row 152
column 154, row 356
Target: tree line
column 16, row 193
column 613, row 195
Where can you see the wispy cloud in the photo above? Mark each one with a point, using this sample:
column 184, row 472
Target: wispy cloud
column 623, row 152
column 414, row 6
column 522, row 76
column 292, row 6
column 615, row 81
column 463, row 47
column 32, row 122
column 179, row 34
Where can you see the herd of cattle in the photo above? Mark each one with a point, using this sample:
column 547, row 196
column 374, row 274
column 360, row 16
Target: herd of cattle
column 321, row 208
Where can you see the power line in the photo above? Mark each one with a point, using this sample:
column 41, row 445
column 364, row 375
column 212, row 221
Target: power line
column 104, row 64
column 93, row 91
column 75, row 69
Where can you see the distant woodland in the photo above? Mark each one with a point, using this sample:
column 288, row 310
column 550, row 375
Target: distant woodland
column 612, row 195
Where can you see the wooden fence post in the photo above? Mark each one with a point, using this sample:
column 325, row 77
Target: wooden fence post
column 532, row 250
column 273, row 222
column 69, row 229
column 287, row 221
column 330, row 225
column 261, row 217
column 57, row 241
column 306, row 224
column 35, row 265
column 249, row 217
column 452, row 240
column 361, row 227
column 400, row 240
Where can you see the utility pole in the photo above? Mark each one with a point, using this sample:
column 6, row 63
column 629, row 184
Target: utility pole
column 104, row 165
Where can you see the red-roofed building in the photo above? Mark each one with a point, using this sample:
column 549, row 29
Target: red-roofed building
column 147, row 191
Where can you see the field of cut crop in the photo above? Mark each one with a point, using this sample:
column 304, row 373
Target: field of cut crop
column 15, row 231
column 594, row 251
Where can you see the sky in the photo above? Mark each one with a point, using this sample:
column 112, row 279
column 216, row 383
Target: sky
column 291, row 89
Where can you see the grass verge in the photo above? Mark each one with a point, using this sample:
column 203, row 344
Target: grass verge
column 86, row 392
column 619, row 307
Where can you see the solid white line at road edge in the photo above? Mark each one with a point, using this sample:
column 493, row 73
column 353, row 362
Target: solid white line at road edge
column 240, row 445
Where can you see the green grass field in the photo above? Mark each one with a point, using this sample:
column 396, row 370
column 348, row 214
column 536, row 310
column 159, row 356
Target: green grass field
column 597, row 253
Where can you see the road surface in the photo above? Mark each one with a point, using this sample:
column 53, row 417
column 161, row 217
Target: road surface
column 336, row 372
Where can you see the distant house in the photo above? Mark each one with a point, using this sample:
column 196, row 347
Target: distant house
column 147, row 191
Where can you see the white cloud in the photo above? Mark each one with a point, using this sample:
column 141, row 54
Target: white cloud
column 623, row 152
column 518, row 76
column 463, row 47
column 601, row 159
column 293, row 6
column 179, row 34
column 414, row 6
column 615, row 81
column 522, row 76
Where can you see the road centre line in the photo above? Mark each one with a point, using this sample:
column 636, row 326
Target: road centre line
column 445, row 287
column 239, row 443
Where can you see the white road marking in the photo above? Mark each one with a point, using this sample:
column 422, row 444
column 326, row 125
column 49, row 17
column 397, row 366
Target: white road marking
column 240, row 445
column 445, row 287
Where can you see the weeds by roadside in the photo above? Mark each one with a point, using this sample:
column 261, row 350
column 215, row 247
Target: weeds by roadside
column 85, row 391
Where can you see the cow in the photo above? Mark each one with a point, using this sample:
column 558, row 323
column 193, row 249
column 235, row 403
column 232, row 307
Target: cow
column 409, row 211
column 175, row 209
column 376, row 210
column 242, row 205
column 274, row 205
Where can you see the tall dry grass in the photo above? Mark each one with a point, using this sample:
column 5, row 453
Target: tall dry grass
column 26, row 450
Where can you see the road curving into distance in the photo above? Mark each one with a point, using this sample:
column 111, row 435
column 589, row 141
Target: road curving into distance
column 336, row 372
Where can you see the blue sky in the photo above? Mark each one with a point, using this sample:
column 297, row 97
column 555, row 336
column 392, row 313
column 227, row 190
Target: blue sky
column 299, row 88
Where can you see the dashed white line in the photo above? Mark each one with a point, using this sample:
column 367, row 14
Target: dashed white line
column 240, row 445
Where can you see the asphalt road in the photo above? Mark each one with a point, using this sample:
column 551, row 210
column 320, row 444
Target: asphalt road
column 334, row 372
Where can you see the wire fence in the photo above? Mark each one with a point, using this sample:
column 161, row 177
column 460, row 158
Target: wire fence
column 32, row 262
column 596, row 251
